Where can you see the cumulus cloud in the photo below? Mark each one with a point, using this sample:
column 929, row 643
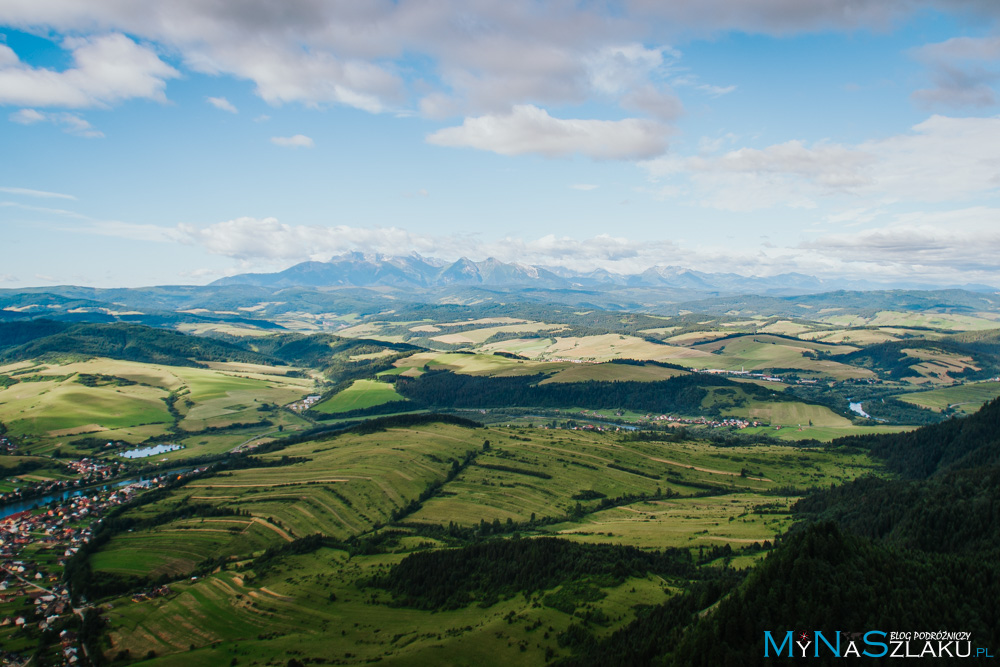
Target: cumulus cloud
column 71, row 123
column 107, row 69
column 529, row 129
column 222, row 104
column 295, row 141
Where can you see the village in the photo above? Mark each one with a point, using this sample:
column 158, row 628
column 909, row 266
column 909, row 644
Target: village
column 88, row 471
column 35, row 545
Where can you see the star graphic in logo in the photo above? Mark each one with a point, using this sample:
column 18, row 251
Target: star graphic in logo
column 804, row 636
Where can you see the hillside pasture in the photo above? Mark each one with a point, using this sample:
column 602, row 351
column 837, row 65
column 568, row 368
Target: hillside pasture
column 360, row 395
column 477, row 336
column 929, row 320
column 594, row 348
column 755, row 353
column 613, row 373
column 965, row 399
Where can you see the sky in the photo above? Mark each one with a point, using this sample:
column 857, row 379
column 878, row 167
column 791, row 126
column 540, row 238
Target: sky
column 146, row 143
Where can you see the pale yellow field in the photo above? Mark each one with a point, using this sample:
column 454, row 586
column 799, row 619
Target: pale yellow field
column 856, row 336
column 596, row 348
column 786, row 328
column 888, row 318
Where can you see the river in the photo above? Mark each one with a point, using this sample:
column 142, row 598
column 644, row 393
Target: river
column 38, row 501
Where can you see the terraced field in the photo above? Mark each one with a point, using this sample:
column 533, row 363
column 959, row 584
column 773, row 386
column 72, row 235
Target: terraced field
column 656, row 494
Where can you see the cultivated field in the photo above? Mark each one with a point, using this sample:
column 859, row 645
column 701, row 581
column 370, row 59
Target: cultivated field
column 550, row 482
column 966, row 398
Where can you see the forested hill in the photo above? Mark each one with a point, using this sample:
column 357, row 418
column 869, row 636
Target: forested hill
column 952, row 445
column 918, row 554
column 819, row 579
column 131, row 342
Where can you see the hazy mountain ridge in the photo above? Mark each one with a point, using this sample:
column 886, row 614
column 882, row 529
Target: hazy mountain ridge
column 366, row 270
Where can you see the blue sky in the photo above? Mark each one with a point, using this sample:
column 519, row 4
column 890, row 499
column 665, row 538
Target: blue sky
column 189, row 140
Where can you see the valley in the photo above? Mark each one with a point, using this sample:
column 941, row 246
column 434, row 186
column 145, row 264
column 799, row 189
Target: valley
column 301, row 482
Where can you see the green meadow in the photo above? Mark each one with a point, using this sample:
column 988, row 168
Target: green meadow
column 655, row 495
column 361, row 394
column 965, row 398
column 52, row 405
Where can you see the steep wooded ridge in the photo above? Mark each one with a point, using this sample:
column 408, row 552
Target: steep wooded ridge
column 130, row 342
column 134, row 342
column 916, row 554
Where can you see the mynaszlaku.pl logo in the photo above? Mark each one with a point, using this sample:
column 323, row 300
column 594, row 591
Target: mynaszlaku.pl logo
column 871, row 644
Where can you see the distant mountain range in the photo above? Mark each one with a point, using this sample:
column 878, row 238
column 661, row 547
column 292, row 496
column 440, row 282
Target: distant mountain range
column 358, row 269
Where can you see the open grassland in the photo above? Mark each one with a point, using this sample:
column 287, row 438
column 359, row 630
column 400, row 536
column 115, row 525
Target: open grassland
column 734, row 519
column 797, row 414
column 824, row 433
column 477, row 336
column 938, row 367
column 361, row 394
column 176, row 548
column 889, row 318
column 613, row 373
column 62, row 406
column 318, row 605
column 851, row 336
column 593, row 348
column 694, row 337
column 312, row 608
column 787, row 328
column 539, row 476
column 215, row 398
column 966, row 398
column 752, row 353
column 52, row 405
column 472, row 364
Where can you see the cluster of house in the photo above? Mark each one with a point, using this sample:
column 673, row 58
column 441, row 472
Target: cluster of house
column 91, row 472
column 757, row 376
column 58, row 532
column 728, row 422
column 305, row 403
column 151, row 594
column 93, row 468
column 7, row 445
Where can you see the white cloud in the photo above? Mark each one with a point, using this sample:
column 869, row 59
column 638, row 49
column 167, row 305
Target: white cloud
column 941, row 160
column 957, row 243
column 71, row 122
column 43, row 209
column 529, row 129
column 28, row 192
column 583, row 186
column 107, row 69
column 222, row 104
column 295, row 141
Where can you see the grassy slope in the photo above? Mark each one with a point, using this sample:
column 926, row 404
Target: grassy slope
column 354, row 481
column 361, row 394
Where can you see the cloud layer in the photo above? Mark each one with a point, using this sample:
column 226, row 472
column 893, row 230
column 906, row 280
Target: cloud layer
column 934, row 247
column 528, row 129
